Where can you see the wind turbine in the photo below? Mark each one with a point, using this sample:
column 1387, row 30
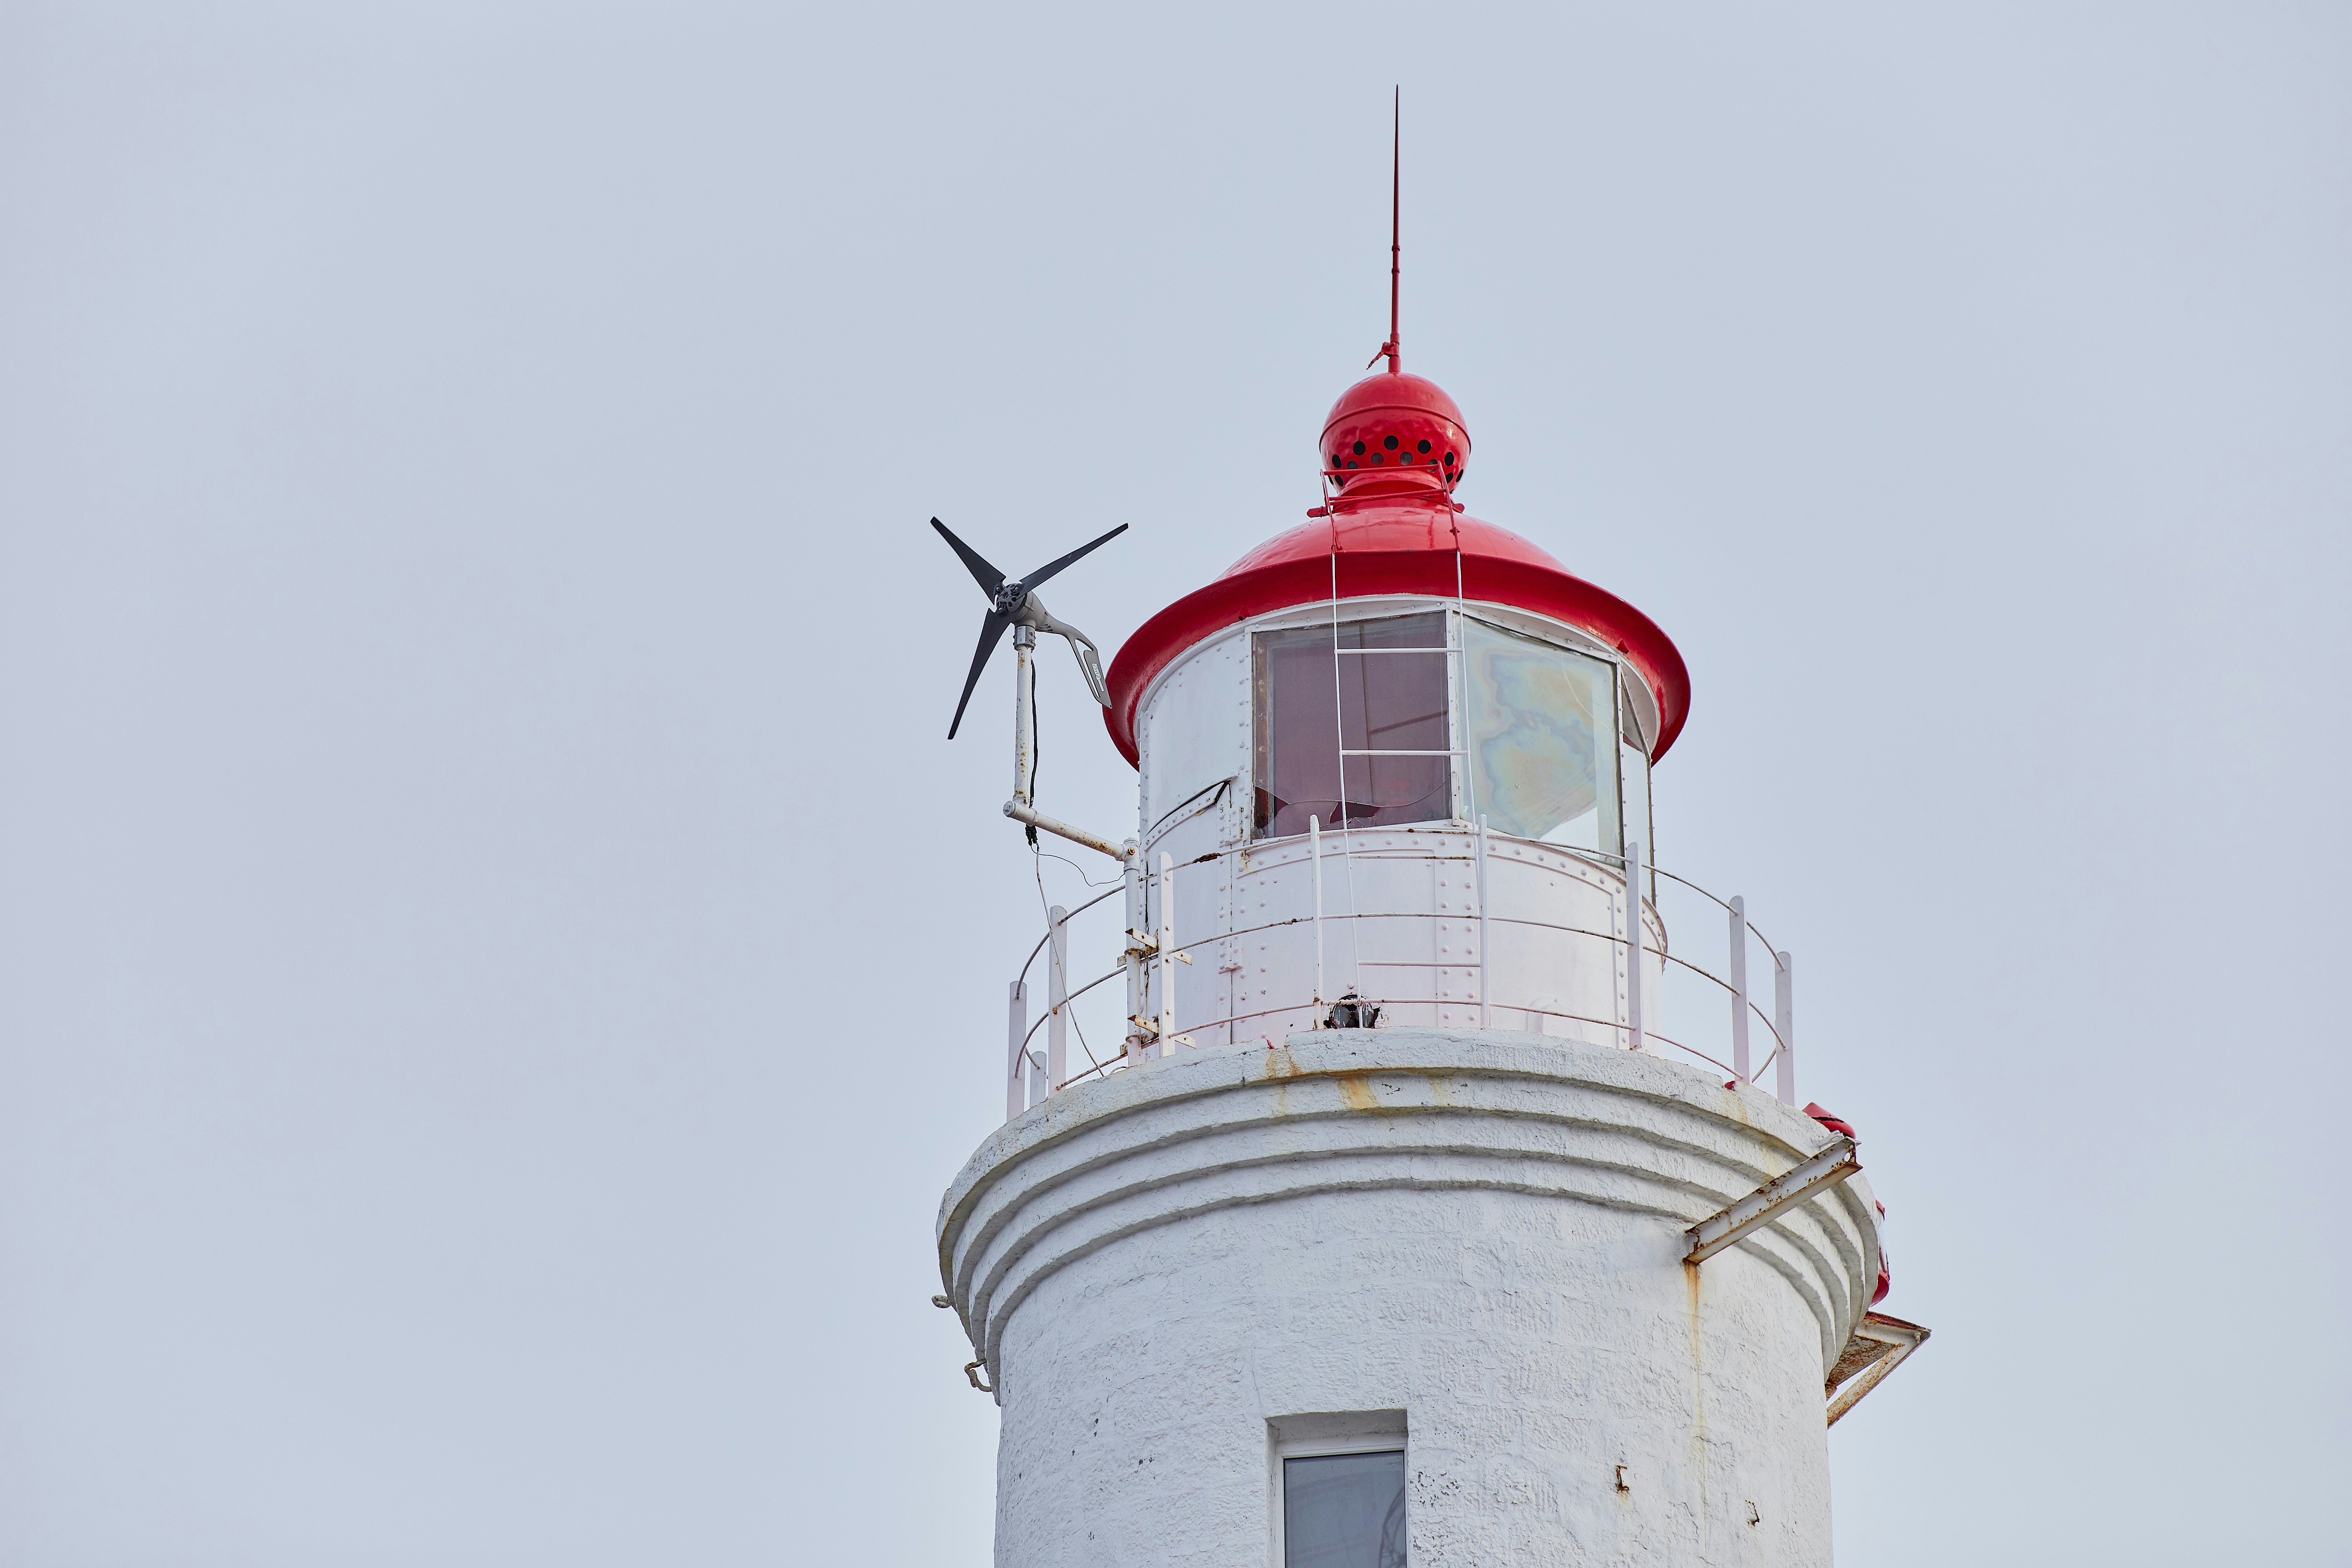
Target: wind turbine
column 1016, row 603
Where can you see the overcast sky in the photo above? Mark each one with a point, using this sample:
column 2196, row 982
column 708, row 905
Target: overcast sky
column 498, row 962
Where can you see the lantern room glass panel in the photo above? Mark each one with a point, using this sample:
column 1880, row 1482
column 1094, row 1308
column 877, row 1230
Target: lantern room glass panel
column 1634, row 769
column 1352, row 725
column 1542, row 741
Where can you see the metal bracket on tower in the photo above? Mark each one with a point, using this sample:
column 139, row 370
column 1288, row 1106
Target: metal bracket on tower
column 1144, row 945
column 1879, row 1346
column 1147, row 1031
column 1825, row 1169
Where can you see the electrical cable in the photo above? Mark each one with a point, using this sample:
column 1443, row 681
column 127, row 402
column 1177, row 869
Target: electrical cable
column 1042, row 904
column 1036, row 764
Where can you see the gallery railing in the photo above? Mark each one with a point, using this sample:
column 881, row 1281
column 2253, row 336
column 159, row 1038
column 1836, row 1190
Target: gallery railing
column 1702, row 1007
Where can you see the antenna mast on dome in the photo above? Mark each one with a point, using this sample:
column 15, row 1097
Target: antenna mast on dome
column 1396, row 190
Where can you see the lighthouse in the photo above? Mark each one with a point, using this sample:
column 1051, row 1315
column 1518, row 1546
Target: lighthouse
column 1444, row 1195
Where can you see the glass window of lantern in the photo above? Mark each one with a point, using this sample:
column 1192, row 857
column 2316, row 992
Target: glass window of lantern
column 1352, row 725
column 1634, row 767
column 1541, row 735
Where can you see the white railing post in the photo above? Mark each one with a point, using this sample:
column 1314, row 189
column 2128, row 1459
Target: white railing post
column 1037, row 1090
column 1739, row 989
column 1634, row 944
column 1166, row 954
column 1016, row 1025
column 1136, row 922
column 1057, row 994
column 1483, row 1011
column 1784, row 1075
column 1315, row 864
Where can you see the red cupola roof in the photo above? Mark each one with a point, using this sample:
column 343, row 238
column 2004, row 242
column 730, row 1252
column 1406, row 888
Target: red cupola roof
column 1392, row 529
column 1393, row 434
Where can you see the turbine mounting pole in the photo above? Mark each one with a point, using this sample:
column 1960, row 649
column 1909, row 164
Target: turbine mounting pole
column 1024, row 688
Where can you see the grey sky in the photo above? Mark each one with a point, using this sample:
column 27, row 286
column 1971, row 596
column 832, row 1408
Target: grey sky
column 497, row 962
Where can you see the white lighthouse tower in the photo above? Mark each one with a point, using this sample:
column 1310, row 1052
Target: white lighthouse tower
column 1447, row 1200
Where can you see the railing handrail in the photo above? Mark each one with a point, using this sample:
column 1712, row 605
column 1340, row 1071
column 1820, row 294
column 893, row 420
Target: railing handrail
column 1579, row 852
column 1431, row 915
column 1576, row 850
column 1143, row 875
column 1048, row 1016
column 1423, row 1001
column 1066, row 916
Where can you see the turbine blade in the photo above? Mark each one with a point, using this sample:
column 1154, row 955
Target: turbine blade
column 991, row 632
column 988, row 578
column 1043, row 573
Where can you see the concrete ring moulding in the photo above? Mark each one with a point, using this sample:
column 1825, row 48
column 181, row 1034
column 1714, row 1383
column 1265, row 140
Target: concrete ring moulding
column 1481, row 1229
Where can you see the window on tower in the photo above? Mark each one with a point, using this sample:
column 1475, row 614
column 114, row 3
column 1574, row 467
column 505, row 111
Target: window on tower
column 1343, row 1511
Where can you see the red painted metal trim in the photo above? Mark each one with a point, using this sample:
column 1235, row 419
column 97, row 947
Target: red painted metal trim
column 1506, row 571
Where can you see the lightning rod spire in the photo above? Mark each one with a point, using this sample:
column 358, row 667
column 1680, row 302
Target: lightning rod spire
column 1396, row 190
column 1396, row 194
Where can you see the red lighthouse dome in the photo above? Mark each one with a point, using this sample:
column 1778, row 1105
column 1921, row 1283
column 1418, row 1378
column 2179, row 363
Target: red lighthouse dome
column 1393, row 434
column 1393, row 528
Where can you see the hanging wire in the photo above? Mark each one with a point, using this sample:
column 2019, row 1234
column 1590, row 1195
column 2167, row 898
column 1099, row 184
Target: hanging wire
column 1045, row 905
column 1072, row 865
column 1037, row 856
column 1037, row 757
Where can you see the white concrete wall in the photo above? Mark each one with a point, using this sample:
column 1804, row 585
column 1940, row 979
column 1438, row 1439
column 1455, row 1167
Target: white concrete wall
column 1482, row 1229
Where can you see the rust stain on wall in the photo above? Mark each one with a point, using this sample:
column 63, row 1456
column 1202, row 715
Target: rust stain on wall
column 1695, row 1452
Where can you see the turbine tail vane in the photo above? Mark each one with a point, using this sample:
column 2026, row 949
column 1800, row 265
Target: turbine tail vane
column 1089, row 656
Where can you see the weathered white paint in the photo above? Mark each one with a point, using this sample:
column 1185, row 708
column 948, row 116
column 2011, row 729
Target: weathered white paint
column 1481, row 1229
column 1195, row 731
column 1555, row 958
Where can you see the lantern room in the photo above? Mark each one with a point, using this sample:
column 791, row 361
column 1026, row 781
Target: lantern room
column 1360, row 720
